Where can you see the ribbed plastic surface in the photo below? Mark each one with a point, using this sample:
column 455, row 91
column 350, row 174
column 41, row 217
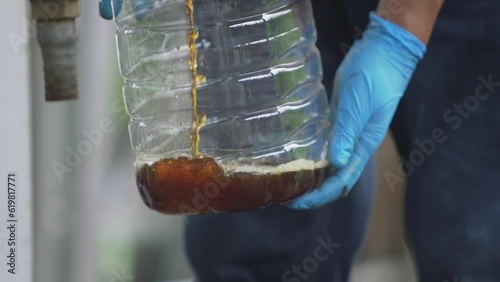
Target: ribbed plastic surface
column 263, row 98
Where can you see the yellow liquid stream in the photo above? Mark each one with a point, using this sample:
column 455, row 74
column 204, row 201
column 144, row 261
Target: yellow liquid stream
column 198, row 120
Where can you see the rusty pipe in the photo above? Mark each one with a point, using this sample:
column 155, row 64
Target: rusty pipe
column 57, row 36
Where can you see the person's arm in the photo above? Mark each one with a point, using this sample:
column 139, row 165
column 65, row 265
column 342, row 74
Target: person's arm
column 416, row 16
column 368, row 87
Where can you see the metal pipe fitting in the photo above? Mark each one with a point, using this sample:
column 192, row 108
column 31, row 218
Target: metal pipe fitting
column 57, row 36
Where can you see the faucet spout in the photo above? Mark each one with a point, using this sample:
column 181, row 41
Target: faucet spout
column 57, row 36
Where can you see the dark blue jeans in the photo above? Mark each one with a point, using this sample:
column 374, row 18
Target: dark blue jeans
column 447, row 130
column 270, row 245
column 453, row 107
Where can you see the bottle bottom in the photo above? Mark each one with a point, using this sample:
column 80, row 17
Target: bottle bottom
column 196, row 186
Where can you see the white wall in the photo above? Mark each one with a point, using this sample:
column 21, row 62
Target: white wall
column 15, row 137
column 78, row 225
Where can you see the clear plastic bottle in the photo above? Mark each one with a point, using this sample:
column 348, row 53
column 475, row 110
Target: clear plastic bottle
column 226, row 103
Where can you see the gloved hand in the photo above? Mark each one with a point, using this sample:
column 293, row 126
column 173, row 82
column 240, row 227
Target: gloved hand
column 140, row 7
column 368, row 87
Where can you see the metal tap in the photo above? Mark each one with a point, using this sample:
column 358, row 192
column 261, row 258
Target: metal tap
column 57, row 36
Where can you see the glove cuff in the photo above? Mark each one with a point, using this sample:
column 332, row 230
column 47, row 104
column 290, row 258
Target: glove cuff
column 400, row 35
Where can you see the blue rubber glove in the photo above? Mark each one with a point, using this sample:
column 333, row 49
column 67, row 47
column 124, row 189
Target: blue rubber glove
column 368, row 87
column 140, row 7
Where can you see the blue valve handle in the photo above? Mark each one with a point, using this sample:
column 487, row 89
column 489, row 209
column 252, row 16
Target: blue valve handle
column 141, row 8
column 368, row 86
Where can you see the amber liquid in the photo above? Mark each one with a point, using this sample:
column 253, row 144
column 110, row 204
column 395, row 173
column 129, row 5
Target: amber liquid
column 198, row 120
column 195, row 186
